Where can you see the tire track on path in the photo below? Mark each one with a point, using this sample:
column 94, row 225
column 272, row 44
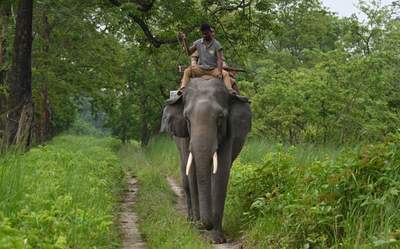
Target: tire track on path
column 128, row 220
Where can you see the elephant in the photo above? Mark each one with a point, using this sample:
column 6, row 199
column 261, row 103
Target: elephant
column 209, row 127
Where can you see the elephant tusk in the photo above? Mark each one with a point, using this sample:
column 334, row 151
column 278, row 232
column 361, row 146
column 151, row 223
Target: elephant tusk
column 215, row 162
column 189, row 163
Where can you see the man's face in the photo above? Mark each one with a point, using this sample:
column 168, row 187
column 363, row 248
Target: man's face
column 213, row 32
column 206, row 35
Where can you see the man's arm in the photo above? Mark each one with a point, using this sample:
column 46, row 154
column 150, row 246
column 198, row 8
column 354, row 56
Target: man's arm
column 195, row 59
column 219, row 63
column 192, row 49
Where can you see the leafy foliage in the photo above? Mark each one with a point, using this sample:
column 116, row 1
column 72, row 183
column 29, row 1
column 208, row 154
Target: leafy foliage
column 313, row 77
column 342, row 202
column 61, row 195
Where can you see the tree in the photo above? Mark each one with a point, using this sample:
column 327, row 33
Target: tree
column 4, row 62
column 20, row 107
column 75, row 58
column 370, row 35
column 136, row 111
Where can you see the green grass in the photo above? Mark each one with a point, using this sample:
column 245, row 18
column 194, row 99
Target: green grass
column 254, row 151
column 160, row 222
column 348, row 200
column 61, row 195
column 65, row 194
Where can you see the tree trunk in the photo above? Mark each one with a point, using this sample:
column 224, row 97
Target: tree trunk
column 46, row 125
column 123, row 136
column 21, row 74
column 143, row 102
column 145, row 133
column 3, row 71
column 24, row 134
column 4, row 26
column 45, row 128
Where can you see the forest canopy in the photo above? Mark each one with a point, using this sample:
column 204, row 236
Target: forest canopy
column 312, row 77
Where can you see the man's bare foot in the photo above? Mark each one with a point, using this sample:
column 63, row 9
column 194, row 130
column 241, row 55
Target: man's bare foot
column 180, row 90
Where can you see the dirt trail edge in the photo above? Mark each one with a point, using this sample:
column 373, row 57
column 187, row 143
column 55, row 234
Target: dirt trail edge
column 132, row 236
column 181, row 206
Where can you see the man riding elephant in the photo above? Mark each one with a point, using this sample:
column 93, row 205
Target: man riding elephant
column 195, row 61
column 210, row 60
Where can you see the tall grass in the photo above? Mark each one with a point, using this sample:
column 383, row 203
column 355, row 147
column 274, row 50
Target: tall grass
column 346, row 201
column 61, row 195
column 254, row 151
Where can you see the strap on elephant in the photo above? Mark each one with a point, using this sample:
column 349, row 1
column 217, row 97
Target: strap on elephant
column 235, row 70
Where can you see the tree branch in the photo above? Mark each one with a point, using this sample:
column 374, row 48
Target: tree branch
column 227, row 37
column 230, row 8
column 145, row 7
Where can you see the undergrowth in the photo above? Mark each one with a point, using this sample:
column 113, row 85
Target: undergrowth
column 65, row 194
column 62, row 195
column 350, row 201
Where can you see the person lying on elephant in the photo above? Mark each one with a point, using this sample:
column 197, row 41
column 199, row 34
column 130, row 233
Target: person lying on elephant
column 195, row 60
column 210, row 62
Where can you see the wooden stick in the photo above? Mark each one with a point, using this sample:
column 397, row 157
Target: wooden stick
column 185, row 45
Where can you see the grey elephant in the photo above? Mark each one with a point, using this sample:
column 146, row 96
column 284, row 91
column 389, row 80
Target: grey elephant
column 209, row 126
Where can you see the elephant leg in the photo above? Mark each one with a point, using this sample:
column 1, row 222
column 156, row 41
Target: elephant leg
column 185, row 186
column 220, row 184
column 219, row 188
column 183, row 146
column 194, row 194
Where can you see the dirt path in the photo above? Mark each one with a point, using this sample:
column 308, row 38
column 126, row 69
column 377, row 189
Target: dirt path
column 181, row 205
column 132, row 236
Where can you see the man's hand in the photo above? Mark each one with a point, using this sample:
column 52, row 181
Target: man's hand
column 183, row 36
column 220, row 75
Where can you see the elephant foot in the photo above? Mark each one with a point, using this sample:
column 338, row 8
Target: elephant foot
column 215, row 237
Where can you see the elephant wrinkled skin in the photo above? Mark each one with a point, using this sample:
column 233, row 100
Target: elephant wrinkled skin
column 206, row 119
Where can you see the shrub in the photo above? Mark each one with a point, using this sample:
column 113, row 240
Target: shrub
column 61, row 195
column 349, row 201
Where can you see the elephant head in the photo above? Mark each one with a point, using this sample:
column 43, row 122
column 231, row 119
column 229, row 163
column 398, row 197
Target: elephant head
column 212, row 120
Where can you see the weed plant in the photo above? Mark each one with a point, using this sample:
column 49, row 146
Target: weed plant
column 350, row 201
column 61, row 195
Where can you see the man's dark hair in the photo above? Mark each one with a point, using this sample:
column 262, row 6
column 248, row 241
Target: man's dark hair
column 212, row 27
column 205, row 26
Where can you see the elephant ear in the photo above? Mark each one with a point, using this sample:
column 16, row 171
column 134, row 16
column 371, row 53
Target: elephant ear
column 239, row 116
column 173, row 121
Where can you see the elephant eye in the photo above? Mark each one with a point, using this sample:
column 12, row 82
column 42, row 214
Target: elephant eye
column 220, row 117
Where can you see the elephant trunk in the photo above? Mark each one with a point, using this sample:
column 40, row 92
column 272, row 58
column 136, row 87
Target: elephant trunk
column 203, row 148
column 203, row 172
column 203, row 145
